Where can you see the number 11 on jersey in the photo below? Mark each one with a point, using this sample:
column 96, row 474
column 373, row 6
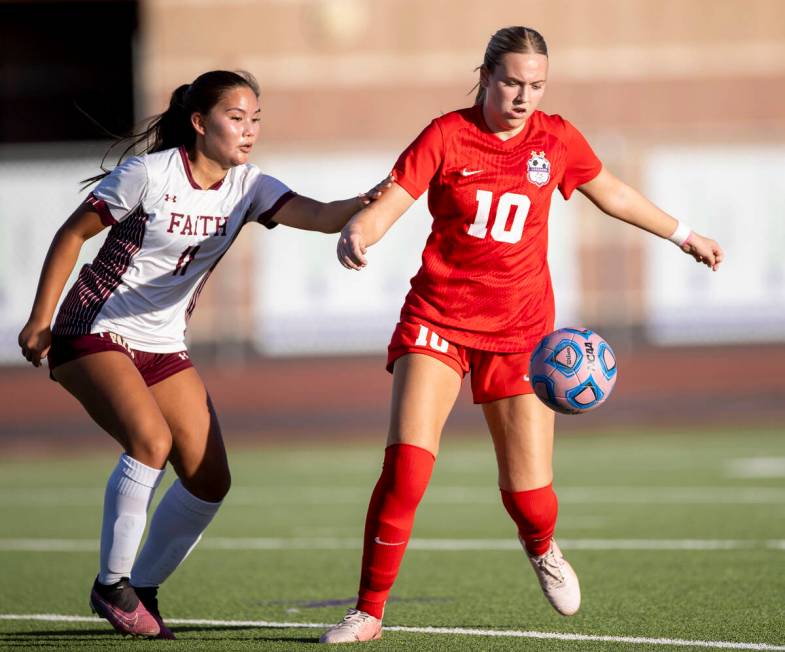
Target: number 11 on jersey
column 499, row 230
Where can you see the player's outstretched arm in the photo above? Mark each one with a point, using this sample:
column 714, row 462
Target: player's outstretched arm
column 617, row 199
column 369, row 225
column 36, row 336
column 328, row 217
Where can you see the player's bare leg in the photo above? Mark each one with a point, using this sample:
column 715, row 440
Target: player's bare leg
column 114, row 394
column 199, row 458
column 424, row 392
column 522, row 431
column 198, row 454
column 423, row 395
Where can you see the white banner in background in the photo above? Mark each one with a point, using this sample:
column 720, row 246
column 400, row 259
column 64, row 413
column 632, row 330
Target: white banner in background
column 36, row 196
column 734, row 195
column 306, row 303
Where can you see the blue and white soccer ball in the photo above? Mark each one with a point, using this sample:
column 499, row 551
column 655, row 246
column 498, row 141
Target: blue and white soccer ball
column 573, row 370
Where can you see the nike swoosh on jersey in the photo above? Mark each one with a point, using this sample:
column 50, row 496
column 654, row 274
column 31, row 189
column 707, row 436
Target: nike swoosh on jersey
column 386, row 543
column 468, row 173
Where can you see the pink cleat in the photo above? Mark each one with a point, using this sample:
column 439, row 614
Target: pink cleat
column 120, row 605
column 355, row 627
column 558, row 581
column 149, row 598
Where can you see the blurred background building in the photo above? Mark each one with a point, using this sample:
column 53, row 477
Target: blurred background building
column 684, row 99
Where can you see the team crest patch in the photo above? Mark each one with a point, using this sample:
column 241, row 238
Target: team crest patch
column 538, row 169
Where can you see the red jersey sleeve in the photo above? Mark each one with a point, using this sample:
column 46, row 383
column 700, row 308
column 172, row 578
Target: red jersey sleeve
column 582, row 164
column 416, row 166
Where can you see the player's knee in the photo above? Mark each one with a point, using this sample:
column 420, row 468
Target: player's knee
column 152, row 450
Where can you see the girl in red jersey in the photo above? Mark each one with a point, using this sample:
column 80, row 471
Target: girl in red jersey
column 118, row 345
column 480, row 302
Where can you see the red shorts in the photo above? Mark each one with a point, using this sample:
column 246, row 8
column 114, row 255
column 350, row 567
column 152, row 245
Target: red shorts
column 154, row 367
column 494, row 375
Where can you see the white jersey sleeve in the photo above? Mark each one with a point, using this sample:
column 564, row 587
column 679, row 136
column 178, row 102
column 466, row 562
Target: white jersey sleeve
column 269, row 194
column 120, row 194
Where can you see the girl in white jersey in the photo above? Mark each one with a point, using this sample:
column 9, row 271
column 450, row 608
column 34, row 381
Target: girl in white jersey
column 118, row 342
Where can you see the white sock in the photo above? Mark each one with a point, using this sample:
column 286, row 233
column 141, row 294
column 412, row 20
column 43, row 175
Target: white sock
column 128, row 494
column 175, row 529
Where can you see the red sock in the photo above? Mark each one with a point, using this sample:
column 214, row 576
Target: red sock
column 534, row 512
column 388, row 525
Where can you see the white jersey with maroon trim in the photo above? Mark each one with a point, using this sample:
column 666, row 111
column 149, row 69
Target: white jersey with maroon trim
column 167, row 235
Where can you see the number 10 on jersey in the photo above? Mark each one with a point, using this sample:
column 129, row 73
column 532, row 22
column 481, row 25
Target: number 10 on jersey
column 499, row 231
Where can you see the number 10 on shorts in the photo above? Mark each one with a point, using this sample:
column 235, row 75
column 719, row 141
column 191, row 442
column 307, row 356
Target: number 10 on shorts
column 436, row 343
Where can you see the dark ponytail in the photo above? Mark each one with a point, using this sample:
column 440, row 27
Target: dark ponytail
column 521, row 40
column 173, row 127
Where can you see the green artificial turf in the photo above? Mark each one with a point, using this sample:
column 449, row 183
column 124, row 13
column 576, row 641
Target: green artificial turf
column 285, row 548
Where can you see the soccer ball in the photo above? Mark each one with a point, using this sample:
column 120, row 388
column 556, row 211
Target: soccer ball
column 573, row 370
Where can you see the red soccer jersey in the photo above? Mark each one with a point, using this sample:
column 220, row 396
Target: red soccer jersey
column 484, row 280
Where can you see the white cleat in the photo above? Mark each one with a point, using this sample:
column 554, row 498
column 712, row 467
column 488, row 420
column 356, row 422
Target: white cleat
column 355, row 627
column 558, row 581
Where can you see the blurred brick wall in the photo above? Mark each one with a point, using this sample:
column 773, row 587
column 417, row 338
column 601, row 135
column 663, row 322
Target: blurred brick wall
column 353, row 70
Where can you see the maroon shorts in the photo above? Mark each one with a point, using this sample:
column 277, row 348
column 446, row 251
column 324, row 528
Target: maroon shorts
column 494, row 375
column 154, row 367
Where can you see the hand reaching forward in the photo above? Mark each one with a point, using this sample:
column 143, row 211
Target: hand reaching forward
column 369, row 225
column 704, row 250
column 352, row 248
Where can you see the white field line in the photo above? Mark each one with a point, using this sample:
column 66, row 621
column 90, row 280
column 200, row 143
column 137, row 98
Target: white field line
column 437, row 495
column 757, row 467
column 334, row 543
column 453, row 631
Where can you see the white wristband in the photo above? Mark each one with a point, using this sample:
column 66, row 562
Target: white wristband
column 681, row 234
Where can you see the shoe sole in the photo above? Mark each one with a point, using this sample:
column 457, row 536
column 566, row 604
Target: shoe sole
column 375, row 637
